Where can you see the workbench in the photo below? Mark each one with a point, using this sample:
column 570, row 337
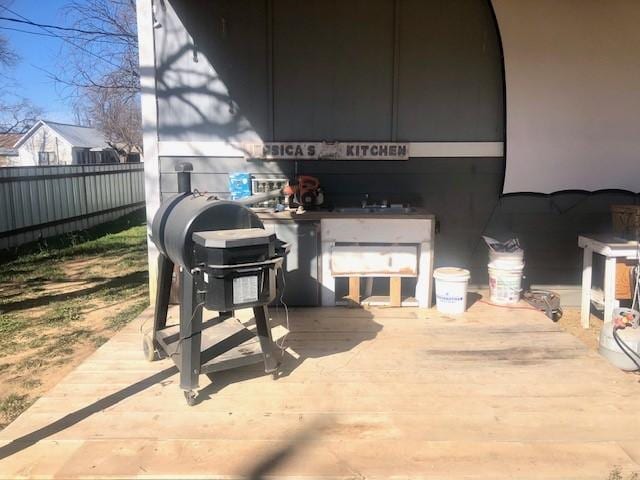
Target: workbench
column 315, row 234
column 612, row 248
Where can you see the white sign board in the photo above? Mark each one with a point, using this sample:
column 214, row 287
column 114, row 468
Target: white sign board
column 328, row 151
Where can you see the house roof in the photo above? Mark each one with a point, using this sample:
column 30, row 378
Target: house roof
column 8, row 140
column 76, row 135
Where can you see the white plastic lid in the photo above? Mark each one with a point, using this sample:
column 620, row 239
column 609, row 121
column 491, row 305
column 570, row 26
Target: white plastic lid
column 451, row 273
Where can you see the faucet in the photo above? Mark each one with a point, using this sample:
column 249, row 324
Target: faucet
column 365, row 200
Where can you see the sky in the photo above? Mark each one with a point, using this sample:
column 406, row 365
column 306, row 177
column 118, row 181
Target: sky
column 38, row 53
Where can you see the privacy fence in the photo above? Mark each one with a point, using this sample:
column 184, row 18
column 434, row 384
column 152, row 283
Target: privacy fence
column 40, row 202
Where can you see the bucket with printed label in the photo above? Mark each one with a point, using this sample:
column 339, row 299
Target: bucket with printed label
column 451, row 289
column 505, row 281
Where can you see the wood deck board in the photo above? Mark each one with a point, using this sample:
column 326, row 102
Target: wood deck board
column 495, row 393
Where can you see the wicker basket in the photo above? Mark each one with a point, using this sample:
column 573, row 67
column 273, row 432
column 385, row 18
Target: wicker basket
column 626, row 220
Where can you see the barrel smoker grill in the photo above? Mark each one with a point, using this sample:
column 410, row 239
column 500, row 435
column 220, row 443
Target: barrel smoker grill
column 227, row 262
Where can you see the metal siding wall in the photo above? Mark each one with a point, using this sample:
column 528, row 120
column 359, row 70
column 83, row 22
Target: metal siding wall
column 450, row 72
column 36, row 196
column 333, row 69
column 223, row 95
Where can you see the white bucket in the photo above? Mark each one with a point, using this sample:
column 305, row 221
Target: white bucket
column 451, row 289
column 505, row 282
column 508, row 259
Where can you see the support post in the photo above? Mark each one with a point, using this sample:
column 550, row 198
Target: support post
column 609, row 288
column 328, row 294
column 424, row 284
column 165, row 277
column 354, row 290
column 266, row 340
column 190, row 333
column 585, row 306
column 395, row 291
column 149, row 113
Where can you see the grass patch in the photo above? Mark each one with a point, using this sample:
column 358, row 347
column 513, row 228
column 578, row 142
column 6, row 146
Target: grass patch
column 13, row 405
column 617, row 474
column 31, row 383
column 39, row 341
column 69, row 243
column 63, row 313
column 63, row 344
column 30, row 363
column 99, row 340
column 124, row 291
column 55, row 293
column 8, row 348
column 10, row 324
column 123, row 317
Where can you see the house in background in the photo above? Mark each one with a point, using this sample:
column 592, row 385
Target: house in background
column 8, row 154
column 51, row 143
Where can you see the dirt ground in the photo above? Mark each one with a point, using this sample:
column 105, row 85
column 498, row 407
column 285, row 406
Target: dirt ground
column 570, row 322
column 60, row 301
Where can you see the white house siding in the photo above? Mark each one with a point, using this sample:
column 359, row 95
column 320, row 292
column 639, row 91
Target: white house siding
column 44, row 139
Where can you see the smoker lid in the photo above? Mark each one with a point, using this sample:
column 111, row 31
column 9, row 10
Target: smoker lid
column 241, row 237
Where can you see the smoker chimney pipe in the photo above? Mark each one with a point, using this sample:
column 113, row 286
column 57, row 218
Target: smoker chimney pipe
column 184, row 177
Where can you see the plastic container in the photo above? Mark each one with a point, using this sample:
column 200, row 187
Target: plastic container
column 610, row 349
column 451, row 289
column 507, row 259
column 505, row 281
column 240, row 185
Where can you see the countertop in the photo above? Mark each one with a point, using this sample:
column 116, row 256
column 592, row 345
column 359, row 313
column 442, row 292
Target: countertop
column 316, row 215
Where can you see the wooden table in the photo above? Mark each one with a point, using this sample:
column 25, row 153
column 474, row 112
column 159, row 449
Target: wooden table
column 612, row 248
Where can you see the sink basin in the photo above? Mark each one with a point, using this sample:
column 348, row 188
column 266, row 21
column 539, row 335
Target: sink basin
column 378, row 210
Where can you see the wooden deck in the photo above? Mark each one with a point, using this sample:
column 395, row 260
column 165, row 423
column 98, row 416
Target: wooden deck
column 494, row 394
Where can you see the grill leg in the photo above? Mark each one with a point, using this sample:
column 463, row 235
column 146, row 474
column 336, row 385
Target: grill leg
column 190, row 333
column 165, row 274
column 266, row 340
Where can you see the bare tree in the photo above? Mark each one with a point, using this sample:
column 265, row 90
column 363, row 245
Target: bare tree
column 17, row 114
column 7, row 57
column 101, row 69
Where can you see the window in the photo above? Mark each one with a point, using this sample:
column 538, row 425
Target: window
column 46, row 158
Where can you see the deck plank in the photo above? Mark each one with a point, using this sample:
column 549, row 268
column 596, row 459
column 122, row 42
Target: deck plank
column 495, row 393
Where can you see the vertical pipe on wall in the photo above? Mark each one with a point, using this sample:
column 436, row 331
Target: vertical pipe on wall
column 396, row 70
column 146, row 49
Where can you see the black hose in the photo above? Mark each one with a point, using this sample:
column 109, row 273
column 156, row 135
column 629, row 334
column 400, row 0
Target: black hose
column 626, row 349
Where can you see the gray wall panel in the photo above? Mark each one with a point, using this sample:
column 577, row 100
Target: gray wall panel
column 221, row 93
column 333, row 69
column 450, row 78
